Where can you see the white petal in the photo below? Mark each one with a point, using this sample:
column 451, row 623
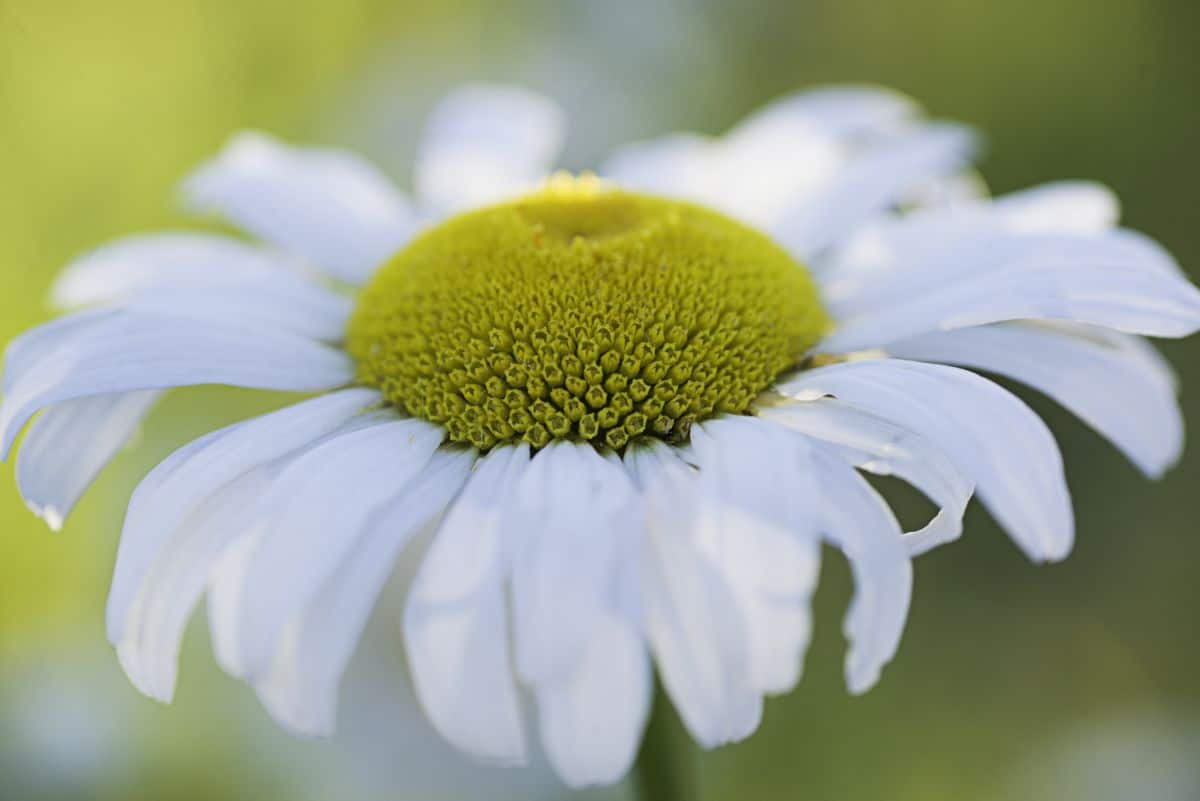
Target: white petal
column 1101, row 376
column 210, row 539
column 929, row 246
column 166, row 260
column 203, row 537
column 1076, row 207
column 569, row 526
column 226, row 583
column 677, row 165
column 843, row 111
column 302, row 689
column 955, row 193
column 68, row 445
column 755, row 524
column 316, row 513
column 281, row 303
column 485, row 142
column 31, row 348
column 327, row 206
column 986, row 430
column 574, row 537
column 761, row 471
column 870, row 184
column 764, row 169
column 151, row 632
column 879, row 446
column 752, row 175
column 178, row 486
column 1114, row 280
column 1064, row 207
column 456, row 629
column 592, row 721
column 896, row 245
column 696, row 627
column 125, row 351
column 771, row 161
column 857, row 520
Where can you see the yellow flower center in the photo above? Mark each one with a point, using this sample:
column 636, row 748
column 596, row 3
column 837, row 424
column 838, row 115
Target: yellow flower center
column 582, row 312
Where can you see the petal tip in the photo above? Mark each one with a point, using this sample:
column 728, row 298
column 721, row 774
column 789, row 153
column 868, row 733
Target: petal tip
column 143, row 680
column 50, row 515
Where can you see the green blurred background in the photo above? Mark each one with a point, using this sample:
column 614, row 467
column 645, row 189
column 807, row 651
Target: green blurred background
column 1076, row 681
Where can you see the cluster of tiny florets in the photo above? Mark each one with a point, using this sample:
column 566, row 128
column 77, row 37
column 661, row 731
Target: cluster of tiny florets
column 582, row 312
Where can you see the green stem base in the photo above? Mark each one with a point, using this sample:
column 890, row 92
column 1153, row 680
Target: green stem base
column 667, row 765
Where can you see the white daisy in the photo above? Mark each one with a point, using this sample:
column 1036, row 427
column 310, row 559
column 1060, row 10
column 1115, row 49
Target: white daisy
column 621, row 413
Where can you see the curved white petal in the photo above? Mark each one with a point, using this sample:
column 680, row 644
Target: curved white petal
column 844, row 111
column 770, row 482
column 301, row 691
column 677, row 165
column 181, row 483
column 957, row 201
column 152, row 629
column 456, row 631
column 880, row 446
column 180, row 260
column 752, row 174
column 484, row 142
column 316, row 513
column 226, row 582
column 755, row 524
column 327, row 206
column 1115, row 279
column 227, row 578
column 927, row 247
column 856, row 519
column 125, row 351
column 1062, row 207
column 777, row 157
column 569, row 525
column 592, row 721
column 870, row 184
column 574, row 535
column 696, row 628
column 1101, row 376
column 68, row 445
column 30, row 349
column 207, row 528
column 284, row 304
column 897, row 245
column 955, row 193
column 986, row 430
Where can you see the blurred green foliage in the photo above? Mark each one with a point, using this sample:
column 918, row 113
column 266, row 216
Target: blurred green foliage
column 103, row 107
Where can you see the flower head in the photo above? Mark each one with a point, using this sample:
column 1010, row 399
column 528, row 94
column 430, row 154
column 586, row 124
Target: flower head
column 622, row 412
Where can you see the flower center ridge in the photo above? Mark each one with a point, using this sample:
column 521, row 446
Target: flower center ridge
column 582, row 312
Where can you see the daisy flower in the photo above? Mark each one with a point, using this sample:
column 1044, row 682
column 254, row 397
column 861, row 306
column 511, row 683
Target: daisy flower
column 618, row 413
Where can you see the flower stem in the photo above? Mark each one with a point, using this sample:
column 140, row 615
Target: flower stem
column 666, row 765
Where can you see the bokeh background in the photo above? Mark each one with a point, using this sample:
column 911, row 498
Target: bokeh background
column 1075, row 681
